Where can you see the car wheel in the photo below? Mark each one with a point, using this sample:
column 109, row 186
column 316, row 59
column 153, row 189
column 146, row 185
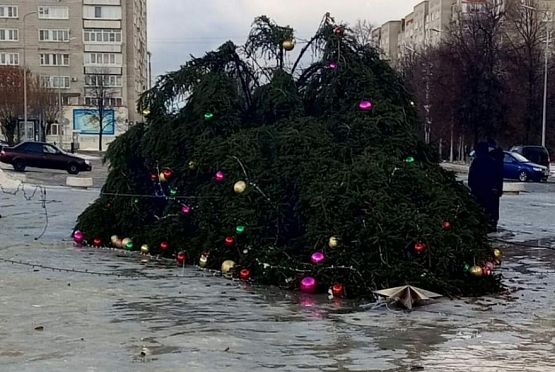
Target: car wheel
column 19, row 166
column 73, row 169
column 523, row 176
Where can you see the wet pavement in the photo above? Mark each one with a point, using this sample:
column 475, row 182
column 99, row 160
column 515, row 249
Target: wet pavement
column 107, row 310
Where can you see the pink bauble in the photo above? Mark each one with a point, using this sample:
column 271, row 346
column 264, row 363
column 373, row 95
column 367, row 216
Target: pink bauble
column 333, row 65
column 489, row 265
column 365, row 105
column 317, row 258
column 78, row 237
column 308, row 285
column 185, row 209
column 220, row 176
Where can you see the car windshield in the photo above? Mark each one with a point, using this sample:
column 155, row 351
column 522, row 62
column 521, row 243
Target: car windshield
column 519, row 157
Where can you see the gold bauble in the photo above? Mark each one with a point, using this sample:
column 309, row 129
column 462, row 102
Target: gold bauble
column 161, row 177
column 227, row 266
column 192, row 165
column 240, row 187
column 144, row 249
column 333, row 242
column 114, row 238
column 475, row 271
column 203, row 260
column 125, row 241
column 119, row 243
column 288, row 45
column 498, row 253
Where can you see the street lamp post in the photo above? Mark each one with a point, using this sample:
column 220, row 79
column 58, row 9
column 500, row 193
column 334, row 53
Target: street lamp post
column 25, row 74
column 547, row 20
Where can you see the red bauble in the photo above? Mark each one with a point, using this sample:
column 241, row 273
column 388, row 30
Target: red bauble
column 97, row 242
column 339, row 31
column 153, row 177
column 229, row 241
column 245, row 274
column 167, row 173
column 487, row 271
column 338, row 290
column 181, row 258
column 446, row 225
column 164, row 246
column 420, row 247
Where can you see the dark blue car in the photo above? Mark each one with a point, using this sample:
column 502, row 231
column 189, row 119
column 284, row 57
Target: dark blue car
column 516, row 166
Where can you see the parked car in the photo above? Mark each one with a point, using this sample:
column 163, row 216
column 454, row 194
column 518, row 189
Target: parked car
column 42, row 155
column 536, row 154
column 516, row 166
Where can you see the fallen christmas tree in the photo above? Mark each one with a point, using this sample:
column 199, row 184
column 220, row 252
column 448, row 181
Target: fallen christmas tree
column 310, row 178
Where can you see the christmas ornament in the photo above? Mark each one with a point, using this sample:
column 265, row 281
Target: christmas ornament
column 337, row 290
column 125, row 241
column 173, row 191
column 466, row 268
column 497, row 253
column 168, row 174
column 144, row 249
column 227, row 266
column 333, row 65
column 192, row 165
column 317, row 258
column 181, row 257
column 229, row 241
column 245, row 274
column 203, row 260
column 365, row 105
column 146, row 112
column 97, row 242
column 309, row 285
column 288, row 45
column 78, row 237
column 220, row 176
column 446, row 225
column 339, row 31
column 119, row 243
column 486, row 271
column 420, row 247
column 153, row 177
column 208, row 116
column 186, row 210
column 114, row 239
column 475, row 271
column 127, row 244
column 409, row 159
column 489, row 265
column 239, row 187
column 164, row 246
column 161, row 177
column 333, row 242
column 240, row 229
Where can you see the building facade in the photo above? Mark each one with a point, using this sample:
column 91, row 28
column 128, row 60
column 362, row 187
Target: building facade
column 85, row 50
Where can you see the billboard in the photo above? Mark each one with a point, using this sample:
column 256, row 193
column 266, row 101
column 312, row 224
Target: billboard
column 86, row 121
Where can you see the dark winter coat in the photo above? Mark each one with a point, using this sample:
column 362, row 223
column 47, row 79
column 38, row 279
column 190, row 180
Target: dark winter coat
column 485, row 179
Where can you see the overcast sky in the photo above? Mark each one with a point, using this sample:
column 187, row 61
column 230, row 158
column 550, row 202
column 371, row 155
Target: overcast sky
column 179, row 28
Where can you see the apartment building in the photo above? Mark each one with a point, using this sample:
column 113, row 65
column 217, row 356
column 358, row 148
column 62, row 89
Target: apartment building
column 75, row 46
column 388, row 41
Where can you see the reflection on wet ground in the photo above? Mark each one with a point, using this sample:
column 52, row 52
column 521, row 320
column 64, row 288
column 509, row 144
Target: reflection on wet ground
column 152, row 316
column 119, row 313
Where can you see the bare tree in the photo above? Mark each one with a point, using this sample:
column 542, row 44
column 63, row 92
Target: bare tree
column 362, row 32
column 44, row 104
column 11, row 102
column 102, row 94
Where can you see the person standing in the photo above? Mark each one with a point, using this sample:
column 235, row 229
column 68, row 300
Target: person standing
column 485, row 179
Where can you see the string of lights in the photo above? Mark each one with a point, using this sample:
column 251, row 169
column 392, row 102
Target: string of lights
column 29, row 196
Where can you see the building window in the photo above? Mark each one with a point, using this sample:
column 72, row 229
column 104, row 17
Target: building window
column 102, row 12
column 53, row 12
column 54, row 129
column 54, row 35
column 103, row 59
column 11, row 59
column 108, row 102
column 8, row 11
column 103, row 80
column 53, row 59
column 58, row 82
column 9, row 34
column 108, row 36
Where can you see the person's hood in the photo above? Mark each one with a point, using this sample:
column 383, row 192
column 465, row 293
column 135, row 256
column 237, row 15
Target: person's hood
column 482, row 150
